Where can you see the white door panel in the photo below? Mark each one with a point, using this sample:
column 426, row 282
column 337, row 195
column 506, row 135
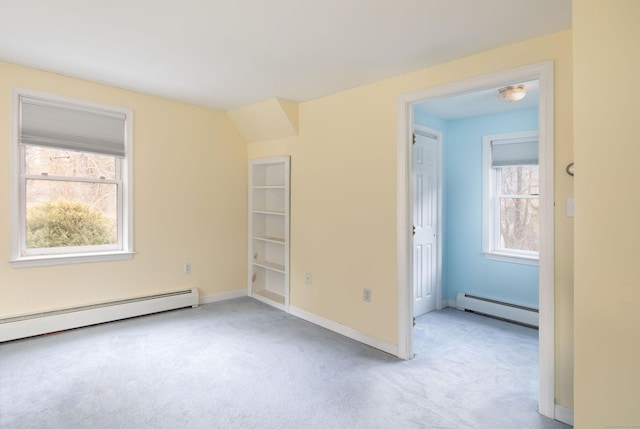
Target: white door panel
column 425, row 210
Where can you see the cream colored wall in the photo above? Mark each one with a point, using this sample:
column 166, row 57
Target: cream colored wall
column 343, row 195
column 190, row 203
column 607, row 230
column 266, row 120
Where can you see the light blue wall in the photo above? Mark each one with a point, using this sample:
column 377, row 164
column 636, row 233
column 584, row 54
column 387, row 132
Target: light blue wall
column 423, row 118
column 465, row 269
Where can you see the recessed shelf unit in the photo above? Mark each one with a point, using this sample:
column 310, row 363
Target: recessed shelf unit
column 269, row 230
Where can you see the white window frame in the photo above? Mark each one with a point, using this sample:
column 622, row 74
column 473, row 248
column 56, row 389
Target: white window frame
column 21, row 256
column 491, row 203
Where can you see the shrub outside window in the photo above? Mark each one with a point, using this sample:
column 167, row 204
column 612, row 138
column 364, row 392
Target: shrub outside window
column 71, row 174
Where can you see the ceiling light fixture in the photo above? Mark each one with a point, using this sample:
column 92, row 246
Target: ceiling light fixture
column 512, row 93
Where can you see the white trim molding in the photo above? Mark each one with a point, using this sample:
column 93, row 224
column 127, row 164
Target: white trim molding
column 449, row 303
column 345, row 330
column 51, row 260
column 564, row 415
column 223, row 296
column 28, row 325
column 404, row 228
column 522, row 260
column 543, row 72
column 20, row 255
column 490, row 204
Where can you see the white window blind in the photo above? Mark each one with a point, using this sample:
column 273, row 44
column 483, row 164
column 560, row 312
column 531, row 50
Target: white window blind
column 514, row 152
column 68, row 126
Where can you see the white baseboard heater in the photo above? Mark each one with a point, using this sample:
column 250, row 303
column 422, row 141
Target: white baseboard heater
column 28, row 325
column 501, row 310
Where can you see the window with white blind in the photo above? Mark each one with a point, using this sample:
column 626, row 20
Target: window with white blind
column 71, row 181
column 511, row 195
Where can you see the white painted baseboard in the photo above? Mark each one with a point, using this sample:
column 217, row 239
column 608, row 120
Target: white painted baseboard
column 346, row 331
column 449, row 303
column 223, row 296
column 62, row 319
column 564, row 415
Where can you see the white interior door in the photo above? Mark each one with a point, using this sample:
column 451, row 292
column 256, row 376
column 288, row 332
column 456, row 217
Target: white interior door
column 425, row 218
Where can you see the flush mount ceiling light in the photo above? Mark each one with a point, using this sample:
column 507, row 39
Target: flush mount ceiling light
column 512, row 93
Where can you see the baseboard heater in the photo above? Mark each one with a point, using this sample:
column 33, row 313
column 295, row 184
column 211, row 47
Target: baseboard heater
column 28, row 325
column 501, row 310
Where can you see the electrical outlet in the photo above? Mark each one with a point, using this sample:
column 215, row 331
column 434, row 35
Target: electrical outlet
column 366, row 295
column 307, row 278
column 187, row 268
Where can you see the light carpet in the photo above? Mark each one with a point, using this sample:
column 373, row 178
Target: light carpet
column 243, row 364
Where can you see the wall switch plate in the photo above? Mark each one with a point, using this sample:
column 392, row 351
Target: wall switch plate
column 307, row 278
column 570, row 207
column 366, row 295
column 187, row 268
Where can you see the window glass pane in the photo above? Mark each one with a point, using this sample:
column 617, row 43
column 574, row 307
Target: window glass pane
column 58, row 162
column 66, row 213
column 519, row 224
column 519, row 180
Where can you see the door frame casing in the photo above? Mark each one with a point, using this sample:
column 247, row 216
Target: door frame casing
column 421, row 129
column 543, row 72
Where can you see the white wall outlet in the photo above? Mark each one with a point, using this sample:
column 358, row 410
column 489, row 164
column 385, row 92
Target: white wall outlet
column 187, row 267
column 307, row 278
column 366, row 295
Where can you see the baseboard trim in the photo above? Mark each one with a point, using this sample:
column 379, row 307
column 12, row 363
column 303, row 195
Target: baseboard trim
column 345, row 330
column 223, row 296
column 449, row 303
column 564, row 415
column 29, row 325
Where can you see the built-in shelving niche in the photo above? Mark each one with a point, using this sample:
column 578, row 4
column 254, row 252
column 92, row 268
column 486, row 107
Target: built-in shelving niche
column 269, row 230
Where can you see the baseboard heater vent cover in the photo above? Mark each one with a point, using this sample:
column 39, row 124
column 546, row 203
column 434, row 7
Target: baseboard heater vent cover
column 29, row 325
column 501, row 310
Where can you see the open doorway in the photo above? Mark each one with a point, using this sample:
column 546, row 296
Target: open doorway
column 489, row 233
column 543, row 73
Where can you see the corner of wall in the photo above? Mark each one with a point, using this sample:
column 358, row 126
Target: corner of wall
column 266, row 120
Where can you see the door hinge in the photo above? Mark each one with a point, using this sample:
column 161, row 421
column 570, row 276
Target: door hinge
column 414, row 139
column 414, row 230
column 414, row 322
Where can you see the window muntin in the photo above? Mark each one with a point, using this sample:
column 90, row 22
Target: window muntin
column 517, row 214
column 511, row 187
column 71, row 180
column 60, row 162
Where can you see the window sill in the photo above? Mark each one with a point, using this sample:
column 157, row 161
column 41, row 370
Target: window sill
column 511, row 258
column 50, row 260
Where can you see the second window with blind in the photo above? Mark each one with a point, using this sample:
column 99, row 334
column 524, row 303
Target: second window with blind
column 71, row 177
column 511, row 195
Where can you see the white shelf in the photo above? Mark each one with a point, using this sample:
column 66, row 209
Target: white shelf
column 269, row 213
column 276, row 240
column 270, row 296
column 269, row 231
column 270, row 266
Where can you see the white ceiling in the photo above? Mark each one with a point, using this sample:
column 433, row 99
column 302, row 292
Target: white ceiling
column 482, row 102
column 230, row 53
